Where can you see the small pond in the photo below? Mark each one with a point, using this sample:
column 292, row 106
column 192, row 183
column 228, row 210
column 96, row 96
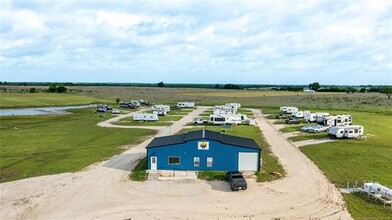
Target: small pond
column 55, row 110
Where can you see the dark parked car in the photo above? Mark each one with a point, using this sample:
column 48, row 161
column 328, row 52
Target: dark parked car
column 292, row 121
column 236, row 181
column 281, row 116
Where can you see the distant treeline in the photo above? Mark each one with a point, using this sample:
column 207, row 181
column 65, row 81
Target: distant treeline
column 295, row 88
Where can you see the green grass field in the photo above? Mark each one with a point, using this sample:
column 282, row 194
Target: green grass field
column 309, row 136
column 350, row 160
column 270, row 162
column 43, row 145
column 139, row 172
column 20, row 100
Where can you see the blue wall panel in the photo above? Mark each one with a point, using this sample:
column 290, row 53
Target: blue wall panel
column 225, row 157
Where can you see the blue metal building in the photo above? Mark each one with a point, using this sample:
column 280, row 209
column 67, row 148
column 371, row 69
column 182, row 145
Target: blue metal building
column 203, row 150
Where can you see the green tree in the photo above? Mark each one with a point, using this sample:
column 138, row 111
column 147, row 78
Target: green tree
column 362, row 90
column 387, row 90
column 160, row 84
column 52, row 88
column 118, row 100
column 314, row 86
column 32, row 90
column 61, row 89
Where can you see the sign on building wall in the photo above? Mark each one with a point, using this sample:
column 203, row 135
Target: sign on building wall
column 203, row 145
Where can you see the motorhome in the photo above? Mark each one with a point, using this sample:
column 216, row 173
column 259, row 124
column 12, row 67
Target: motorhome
column 347, row 131
column 186, row 104
column 288, row 109
column 335, row 120
column 312, row 117
column 145, row 117
column 161, row 107
column 227, row 119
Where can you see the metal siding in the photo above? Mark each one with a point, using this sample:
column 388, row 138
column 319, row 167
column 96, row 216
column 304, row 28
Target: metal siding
column 225, row 157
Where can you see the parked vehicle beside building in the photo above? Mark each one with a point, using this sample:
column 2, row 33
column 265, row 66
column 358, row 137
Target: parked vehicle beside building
column 236, row 181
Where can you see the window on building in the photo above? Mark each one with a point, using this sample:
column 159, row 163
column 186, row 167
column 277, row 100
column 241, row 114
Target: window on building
column 356, row 130
column 351, row 132
column 174, row 160
column 196, row 161
column 209, row 161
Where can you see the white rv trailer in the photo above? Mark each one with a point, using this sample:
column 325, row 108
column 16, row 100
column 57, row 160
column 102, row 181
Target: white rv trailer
column 376, row 188
column 347, row 131
column 161, row 108
column 233, row 105
column 288, row 109
column 160, row 112
column 145, row 117
column 335, row 120
column 312, row 117
column 299, row 114
column 223, row 110
column 227, row 119
column 186, row 104
column 135, row 102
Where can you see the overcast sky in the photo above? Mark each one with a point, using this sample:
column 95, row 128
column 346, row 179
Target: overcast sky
column 258, row 42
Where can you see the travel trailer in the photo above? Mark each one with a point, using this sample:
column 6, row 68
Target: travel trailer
column 312, row 117
column 299, row 114
column 223, row 110
column 335, row 120
column 227, row 119
column 186, row 104
column 376, row 188
column 347, row 131
column 160, row 112
column 161, row 108
column 288, row 109
column 145, row 117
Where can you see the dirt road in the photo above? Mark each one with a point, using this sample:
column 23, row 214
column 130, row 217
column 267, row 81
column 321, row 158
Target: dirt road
column 103, row 191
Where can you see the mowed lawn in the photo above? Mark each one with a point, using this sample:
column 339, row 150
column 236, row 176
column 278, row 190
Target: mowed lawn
column 42, row 145
column 350, row 160
column 19, row 100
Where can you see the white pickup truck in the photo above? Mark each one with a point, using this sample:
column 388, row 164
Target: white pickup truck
column 200, row 121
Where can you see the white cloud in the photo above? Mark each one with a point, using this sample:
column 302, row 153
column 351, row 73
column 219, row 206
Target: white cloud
column 197, row 41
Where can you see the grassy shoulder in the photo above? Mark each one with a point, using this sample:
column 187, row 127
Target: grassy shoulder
column 309, row 136
column 350, row 160
column 139, row 173
column 20, row 100
column 270, row 165
column 363, row 207
column 129, row 122
column 44, row 145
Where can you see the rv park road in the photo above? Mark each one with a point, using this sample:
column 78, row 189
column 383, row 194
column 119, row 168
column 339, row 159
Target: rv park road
column 103, row 191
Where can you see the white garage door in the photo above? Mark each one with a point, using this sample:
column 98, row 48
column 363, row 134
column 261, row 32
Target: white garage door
column 247, row 161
